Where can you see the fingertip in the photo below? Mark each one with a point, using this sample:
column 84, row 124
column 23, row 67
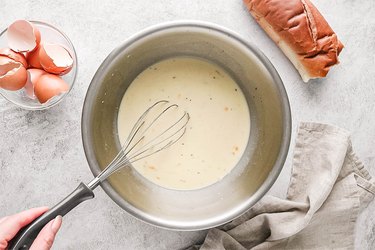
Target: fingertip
column 46, row 236
column 56, row 224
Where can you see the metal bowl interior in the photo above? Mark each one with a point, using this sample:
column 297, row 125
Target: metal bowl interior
column 267, row 146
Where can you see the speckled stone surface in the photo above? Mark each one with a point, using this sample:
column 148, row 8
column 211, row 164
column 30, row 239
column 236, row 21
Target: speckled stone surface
column 41, row 153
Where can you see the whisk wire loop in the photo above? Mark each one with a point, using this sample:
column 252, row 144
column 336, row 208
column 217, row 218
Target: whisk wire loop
column 138, row 145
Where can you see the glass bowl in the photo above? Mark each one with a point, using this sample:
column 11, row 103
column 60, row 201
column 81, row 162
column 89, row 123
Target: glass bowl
column 49, row 34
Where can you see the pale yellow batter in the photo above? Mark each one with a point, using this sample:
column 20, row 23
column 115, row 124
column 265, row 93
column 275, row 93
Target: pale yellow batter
column 218, row 130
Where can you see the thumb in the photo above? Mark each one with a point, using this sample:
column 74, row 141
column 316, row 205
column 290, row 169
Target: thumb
column 46, row 236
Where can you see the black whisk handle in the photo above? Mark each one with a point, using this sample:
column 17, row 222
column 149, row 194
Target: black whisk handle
column 26, row 236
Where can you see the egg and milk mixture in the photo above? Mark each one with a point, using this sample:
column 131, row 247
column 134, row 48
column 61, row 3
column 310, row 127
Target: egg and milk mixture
column 218, row 130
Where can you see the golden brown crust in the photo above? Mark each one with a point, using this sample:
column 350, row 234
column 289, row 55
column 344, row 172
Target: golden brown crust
column 301, row 32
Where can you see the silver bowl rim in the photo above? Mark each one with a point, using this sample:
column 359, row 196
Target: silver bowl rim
column 176, row 225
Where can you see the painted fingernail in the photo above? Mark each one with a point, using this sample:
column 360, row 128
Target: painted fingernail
column 56, row 224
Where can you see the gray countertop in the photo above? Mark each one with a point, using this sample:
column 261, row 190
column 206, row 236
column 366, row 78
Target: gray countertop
column 41, row 153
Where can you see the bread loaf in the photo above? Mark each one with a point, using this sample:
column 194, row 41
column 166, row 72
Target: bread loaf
column 301, row 32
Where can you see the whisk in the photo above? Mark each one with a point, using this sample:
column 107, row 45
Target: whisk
column 151, row 133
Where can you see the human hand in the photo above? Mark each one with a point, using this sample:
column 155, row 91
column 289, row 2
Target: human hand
column 10, row 225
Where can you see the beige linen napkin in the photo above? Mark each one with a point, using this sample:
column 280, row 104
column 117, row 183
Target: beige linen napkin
column 328, row 187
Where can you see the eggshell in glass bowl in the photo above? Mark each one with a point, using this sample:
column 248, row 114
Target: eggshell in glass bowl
column 13, row 75
column 55, row 59
column 33, row 76
column 33, row 60
column 23, row 36
column 24, row 97
column 18, row 57
column 48, row 86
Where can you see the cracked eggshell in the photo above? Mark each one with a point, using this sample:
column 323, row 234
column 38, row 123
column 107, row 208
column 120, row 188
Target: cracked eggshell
column 55, row 59
column 23, row 36
column 48, row 86
column 13, row 75
column 18, row 57
column 33, row 76
column 33, row 58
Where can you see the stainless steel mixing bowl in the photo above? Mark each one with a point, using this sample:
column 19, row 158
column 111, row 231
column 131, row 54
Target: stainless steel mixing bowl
column 269, row 136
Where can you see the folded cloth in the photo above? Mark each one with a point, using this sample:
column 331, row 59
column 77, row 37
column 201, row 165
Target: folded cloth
column 328, row 187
